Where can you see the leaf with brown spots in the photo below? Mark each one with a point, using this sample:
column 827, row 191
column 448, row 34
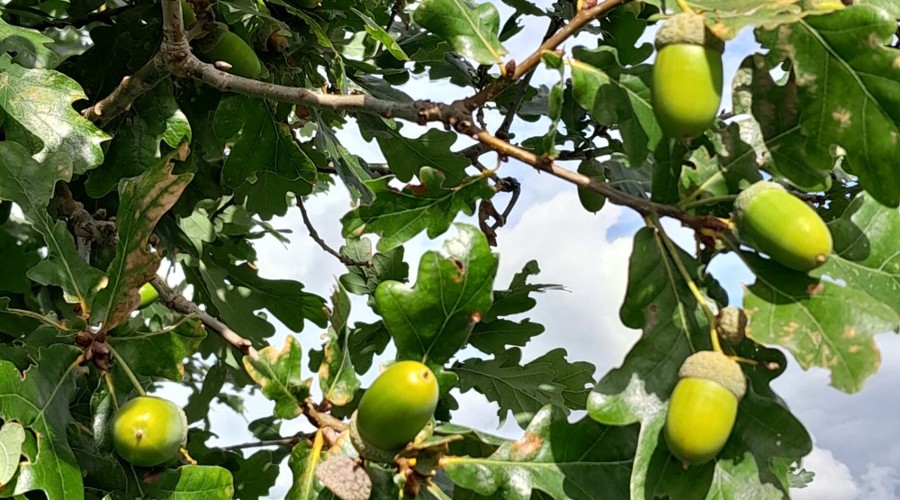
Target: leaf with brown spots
column 848, row 81
column 581, row 461
column 39, row 113
column 866, row 246
column 278, row 374
column 144, row 200
column 831, row 327
column 432, row 320
column 337, row 377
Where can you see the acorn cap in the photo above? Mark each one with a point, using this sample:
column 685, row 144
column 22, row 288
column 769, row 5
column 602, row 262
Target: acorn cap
column 716, row 367
column 731, row 323
column 688, row 28
column 205, row 44
column 743, row 200
column 368, row 450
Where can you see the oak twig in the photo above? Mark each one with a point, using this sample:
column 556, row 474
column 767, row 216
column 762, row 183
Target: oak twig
column 347, row 261
column 175, row 301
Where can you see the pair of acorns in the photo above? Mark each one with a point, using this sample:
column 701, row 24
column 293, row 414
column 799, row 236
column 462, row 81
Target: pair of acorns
column 149, row 431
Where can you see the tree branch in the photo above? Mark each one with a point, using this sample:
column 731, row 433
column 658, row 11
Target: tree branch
column 124, row 95
column 175, row 301
column 347, row 261
column 581, row 19
column 642, row 206
column 288, row 441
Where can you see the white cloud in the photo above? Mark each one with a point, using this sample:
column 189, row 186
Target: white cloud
column 833, row 480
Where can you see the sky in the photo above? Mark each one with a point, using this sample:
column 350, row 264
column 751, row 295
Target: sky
column 857, row 440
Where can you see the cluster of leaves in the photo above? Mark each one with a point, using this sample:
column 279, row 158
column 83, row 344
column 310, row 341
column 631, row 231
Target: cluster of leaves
column 194, row 175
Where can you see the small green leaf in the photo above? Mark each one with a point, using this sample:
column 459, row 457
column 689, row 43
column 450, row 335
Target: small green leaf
column 469, row 27
column 303, row 462
column 617, row 96
column 337, row 378
column 407, row 156
column 398, row 216
column 517, row 388
column 278, row 374
column 12, row 436
column 194, row 481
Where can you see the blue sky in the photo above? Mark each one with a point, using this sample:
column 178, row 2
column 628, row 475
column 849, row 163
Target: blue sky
column 857, row 440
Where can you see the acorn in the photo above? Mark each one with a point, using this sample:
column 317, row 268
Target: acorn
column 781, row 225
column 703, row 406
column 223, row 45
column 148, row 295
column 687, row 76
column 394, row 410
column 149, row 431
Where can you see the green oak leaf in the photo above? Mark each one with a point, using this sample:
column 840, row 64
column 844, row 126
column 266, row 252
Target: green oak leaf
column 363, row 280
column 160, row 353
column 727, row 18
column 469, row 27
column 433, row 319
column 278, row 374
column 267, row 161
column 581, row 461
column 398, row 216
column 39, row 399
column 194, row 481
column 617, row 96
column 29, row 47
column 865, row 241
column 406, row 156
column 522, row 389
column 847, row 91
column 31, row 186
column 154, row 118
column 303, row 462
column 786, row 151
column 366, row 341
column 38, row 102
column 494, row 337
column 820, row 322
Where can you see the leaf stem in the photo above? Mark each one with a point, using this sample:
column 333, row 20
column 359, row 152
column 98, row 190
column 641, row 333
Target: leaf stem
column 692, row 286
column 127, row 369
column 683, row 5
column 39, row 317
column 112, row 389
column 712, row 200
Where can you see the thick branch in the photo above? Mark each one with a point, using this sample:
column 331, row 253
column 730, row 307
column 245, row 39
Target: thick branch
column 178, row 302
column 123, row 96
